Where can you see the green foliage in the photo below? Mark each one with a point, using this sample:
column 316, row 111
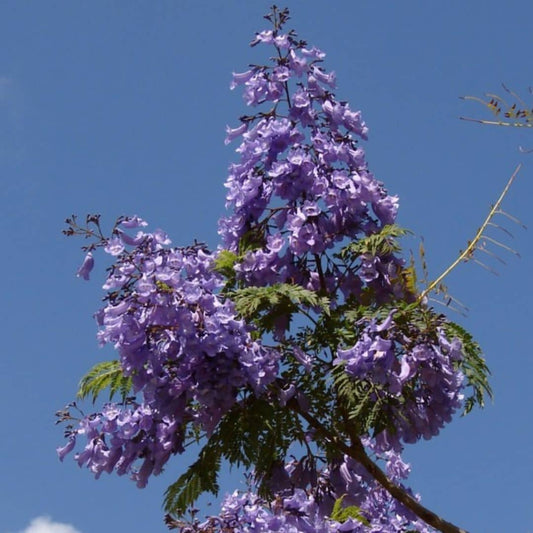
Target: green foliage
column 200, row 477
column 369, row 407
column 473, row 366
column 164, row 287
column 363, row 406
column 341, row 514
column 409, row 277
column 254, row 433
column 253, row 239
column 104, row 375
column 225, row 265
column 379, row 244
column 266, row 305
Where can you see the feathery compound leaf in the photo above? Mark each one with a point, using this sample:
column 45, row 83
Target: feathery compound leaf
column 379, row 244
column 256, row 433
column 104, row 375
column 473, row 366
column 225, row 263
column 341, row 514
column 200, row 477
column 253, row 433
column 265, row 305
column 360, row 401
column 252, row 299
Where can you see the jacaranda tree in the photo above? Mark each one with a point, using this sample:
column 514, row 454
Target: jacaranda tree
column 303, row 349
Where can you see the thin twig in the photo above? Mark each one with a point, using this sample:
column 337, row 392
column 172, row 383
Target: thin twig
column 471, row 248
column 499, row 122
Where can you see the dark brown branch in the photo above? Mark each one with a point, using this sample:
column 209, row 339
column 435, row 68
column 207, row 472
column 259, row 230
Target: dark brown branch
column 357, row 451
column 429, row 517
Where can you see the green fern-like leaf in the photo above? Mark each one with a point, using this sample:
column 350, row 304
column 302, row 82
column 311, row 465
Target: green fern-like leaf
column 104, row 375
column 200, row 477
column 251, row 300
column 253, row 239
column 341, row 514
column 225, row 263
column 382, row 243
column 364, row 406
column 266, row 305
column 257, row 434
column 254, row 433
column 473, row 366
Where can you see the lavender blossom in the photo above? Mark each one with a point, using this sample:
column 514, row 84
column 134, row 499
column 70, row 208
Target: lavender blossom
column 191, row 353
column 86, row 267
column 305, row 506
column 184, row 348
column 302, row 178
column 420, row 371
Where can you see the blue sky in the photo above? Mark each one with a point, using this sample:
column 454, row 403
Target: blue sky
column 120, row 108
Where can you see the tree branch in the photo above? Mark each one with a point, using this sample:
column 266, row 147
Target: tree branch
column 429, row 517
column 472, row 245
column 357, row 451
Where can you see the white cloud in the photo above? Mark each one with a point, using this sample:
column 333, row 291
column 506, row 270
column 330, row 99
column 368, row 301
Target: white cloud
column 44, row 524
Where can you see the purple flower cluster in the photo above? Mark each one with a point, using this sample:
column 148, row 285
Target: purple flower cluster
column 302, row 185
column 301, row 188
column 299, row 194
column 183, row 347
column 412, row 367
column 306, row 497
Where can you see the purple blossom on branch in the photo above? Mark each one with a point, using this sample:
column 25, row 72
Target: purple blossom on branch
column 185, row 350
column 201, row 335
